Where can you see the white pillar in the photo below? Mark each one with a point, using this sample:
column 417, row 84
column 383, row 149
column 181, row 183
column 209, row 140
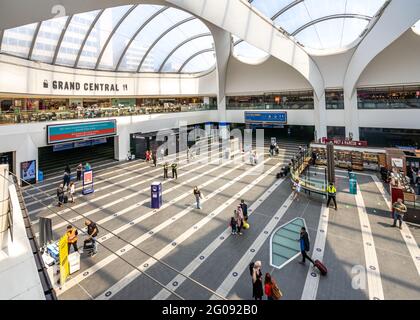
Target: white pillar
column 4, row 205
column 351, row 115
column 320, row 116
column 121, row 144
column 222, row 44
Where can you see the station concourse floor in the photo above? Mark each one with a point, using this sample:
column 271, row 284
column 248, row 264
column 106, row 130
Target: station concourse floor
column 199, row 244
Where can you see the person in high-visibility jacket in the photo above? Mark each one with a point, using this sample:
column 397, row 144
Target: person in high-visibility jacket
column 72, row 238
column 332, row 191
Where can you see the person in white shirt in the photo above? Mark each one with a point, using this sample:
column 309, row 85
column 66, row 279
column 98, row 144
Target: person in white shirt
column 72, row 189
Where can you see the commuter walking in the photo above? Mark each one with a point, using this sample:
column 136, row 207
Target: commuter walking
column 257, row 285
column 72, row 238
column 233, row 224
column 332, row 191
column 92, row 231
column 154, row 159
column 60, row 195
column 304, row 246
column 174, row 170
column 399, row 209
column 239, row 219
column 296, row 188
column 72, row 189
column 165, row 170
column 67, row 169
column 147, row 155
column 87, row 166
column 271, row 288
column 79, row 170
column 66, row 179
column 198, row 196
column 244, row 208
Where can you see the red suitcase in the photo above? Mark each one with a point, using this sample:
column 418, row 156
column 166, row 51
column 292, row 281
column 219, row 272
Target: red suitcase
column 320, row 266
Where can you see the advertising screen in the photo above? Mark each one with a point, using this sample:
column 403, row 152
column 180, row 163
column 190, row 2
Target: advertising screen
column 28, row 171
column 80, row 131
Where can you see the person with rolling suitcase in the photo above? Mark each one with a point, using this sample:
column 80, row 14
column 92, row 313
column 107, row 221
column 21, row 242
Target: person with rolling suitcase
column 304, row 246
column 60, row 195
column 92, row 231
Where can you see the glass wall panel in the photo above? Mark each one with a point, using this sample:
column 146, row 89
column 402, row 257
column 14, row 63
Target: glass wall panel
column 334, row 99
column 17, row 41
column 389, row 98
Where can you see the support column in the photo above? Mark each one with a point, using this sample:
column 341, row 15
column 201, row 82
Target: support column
column 222, row 43
column 351, row 115
column 121, row 144
column 320, row 116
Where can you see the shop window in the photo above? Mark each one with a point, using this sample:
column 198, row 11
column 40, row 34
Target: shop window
column 402, row 97
column 334, row 99
column 336, row 132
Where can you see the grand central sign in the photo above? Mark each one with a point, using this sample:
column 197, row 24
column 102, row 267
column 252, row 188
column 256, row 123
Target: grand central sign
column 87, row 86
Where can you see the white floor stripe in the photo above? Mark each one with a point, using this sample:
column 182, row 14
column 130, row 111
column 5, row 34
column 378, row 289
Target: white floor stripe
column 126, row 280
column 372, row 266
column 242, row 265
column 136, row 205
column 119, row 200
column 147, row 166
column 410, row 241
column 216, row 243
column 44, row 198
column 312, row 278
column 50, row 216
column 158, row 228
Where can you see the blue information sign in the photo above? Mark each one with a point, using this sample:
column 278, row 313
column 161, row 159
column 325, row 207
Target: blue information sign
column 270, row 118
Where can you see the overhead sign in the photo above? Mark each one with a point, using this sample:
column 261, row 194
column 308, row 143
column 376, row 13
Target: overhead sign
column 340, row 142
column 266, row 118
column 80, row 131
column 86, row 86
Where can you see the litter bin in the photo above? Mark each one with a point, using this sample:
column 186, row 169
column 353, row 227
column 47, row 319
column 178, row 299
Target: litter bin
column 353, row 186
column 156, row 195
column 40, row 176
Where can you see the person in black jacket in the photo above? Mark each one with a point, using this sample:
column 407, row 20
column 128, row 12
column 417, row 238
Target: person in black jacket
column 304, row 246
column 244, row 207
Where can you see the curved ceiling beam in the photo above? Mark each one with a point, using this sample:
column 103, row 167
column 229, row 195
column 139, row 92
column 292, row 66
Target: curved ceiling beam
column 60, row 40
column 31, row 49
column 136, row 34
column 257, row 30
column 401, row 15
column 238, row 42
column 330, row 17
column 164, row 33
column 112, row 33
column 76, row 62
column 244, row 21
column 180, row 45
column 289, row 6
column 193, row 56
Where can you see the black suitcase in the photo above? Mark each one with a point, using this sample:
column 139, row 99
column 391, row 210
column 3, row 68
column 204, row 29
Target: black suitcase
column 66, row 199
column 88, row 245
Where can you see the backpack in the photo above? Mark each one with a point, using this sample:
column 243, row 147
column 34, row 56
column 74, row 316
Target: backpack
column 251, row 268
column 275, row 291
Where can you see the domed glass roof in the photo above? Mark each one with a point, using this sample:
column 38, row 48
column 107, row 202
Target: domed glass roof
column 131, row 38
